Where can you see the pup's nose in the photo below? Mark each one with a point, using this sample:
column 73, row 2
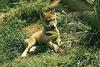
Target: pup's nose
column 52, row 27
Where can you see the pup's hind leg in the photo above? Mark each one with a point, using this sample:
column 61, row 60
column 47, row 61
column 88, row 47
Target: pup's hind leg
column 33, row 49
column 30, row 45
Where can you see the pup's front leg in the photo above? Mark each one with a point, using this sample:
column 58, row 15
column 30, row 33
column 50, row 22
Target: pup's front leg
column 58, row 41
column 54, row 47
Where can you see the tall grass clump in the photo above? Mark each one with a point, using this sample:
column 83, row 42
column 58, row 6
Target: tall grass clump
column 97, row 10
column 92, row 38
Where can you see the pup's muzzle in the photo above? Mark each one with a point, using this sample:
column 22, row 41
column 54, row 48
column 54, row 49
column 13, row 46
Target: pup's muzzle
column 52, row 27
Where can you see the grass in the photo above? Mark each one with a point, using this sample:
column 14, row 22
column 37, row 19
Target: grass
column 11, row 29
column 23, row 19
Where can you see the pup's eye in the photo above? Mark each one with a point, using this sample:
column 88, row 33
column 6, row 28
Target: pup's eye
column 53, row 19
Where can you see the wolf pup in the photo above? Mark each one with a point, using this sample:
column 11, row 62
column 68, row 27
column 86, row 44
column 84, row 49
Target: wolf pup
column 49, row 35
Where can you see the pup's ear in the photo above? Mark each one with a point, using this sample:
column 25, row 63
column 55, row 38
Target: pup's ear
column 43, row 14
column 56, row 14
column 51, row 11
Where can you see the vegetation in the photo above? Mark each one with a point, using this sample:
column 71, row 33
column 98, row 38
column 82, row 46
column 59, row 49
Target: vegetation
column 79, row 33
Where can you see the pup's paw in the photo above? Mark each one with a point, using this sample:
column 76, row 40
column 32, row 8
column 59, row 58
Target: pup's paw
column 59, row 50
column 24, row 55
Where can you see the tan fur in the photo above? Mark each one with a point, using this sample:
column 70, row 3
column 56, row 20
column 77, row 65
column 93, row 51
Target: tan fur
column 31, row 29
column 49, row 21
column 54, row 3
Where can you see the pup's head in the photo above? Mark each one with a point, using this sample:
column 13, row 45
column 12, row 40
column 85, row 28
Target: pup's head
column 50, row 20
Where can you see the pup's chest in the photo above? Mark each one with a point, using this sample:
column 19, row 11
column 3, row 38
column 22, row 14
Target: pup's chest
column 48, row 36
column 52, row 35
